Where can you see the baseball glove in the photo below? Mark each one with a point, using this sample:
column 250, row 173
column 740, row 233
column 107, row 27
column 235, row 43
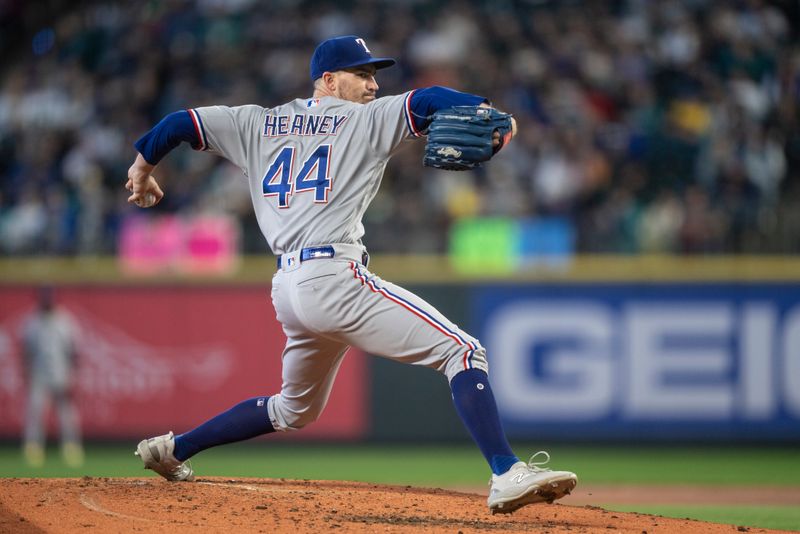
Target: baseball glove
column 460, row 137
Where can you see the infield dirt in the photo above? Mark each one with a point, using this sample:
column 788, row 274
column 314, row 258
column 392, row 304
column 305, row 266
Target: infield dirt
column 150, row 505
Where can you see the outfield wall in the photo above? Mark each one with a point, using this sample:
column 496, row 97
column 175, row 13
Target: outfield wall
column 159, row 358
column 601, row 349
column 671, row 360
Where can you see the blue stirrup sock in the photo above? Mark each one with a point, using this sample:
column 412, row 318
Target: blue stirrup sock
column 474, row 401
column 246, row 420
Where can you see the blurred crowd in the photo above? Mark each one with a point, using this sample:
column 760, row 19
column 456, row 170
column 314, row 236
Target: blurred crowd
column 646, row 125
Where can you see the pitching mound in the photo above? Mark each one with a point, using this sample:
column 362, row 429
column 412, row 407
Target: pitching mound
column 144, row 505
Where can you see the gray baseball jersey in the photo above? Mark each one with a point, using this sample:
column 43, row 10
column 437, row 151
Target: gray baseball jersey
column 49, row 340
column 313, row 167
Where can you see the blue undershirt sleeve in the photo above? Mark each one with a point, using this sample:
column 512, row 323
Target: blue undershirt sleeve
column 173, row 129
column 425, row 102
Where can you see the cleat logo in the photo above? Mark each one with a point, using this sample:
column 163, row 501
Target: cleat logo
column 519, row 477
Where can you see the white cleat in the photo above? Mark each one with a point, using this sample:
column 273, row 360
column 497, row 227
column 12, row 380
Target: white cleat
column 528, row 483
column 156, row 453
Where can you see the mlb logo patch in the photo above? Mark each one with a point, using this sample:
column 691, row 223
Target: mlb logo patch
column 312, row 102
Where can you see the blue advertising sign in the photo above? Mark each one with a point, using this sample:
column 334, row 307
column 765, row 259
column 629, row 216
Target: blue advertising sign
column 649, row 361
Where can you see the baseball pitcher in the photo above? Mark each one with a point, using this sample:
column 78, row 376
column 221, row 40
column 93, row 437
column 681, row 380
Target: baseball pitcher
column 313, row 166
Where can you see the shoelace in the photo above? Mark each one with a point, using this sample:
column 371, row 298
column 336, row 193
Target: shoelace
column 537, row 466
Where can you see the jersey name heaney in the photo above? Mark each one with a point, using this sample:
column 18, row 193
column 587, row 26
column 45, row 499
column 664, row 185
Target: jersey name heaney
column 302, row 124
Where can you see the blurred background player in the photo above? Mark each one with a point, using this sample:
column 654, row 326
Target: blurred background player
column 49, row 340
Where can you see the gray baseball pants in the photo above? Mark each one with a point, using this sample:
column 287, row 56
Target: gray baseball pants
column 330, row 304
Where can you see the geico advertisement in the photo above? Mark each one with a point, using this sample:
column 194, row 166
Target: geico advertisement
column 665, row 360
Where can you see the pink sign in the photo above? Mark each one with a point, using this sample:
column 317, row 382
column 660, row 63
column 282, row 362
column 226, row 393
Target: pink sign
column 200, row 244
column 154, row 359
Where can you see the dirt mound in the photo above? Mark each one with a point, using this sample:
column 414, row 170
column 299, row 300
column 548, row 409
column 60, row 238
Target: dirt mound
column 151, row 505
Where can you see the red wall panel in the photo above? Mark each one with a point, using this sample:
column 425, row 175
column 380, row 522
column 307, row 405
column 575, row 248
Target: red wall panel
column 153, row 359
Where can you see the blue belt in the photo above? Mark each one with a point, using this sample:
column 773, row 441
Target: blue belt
column 316, row 253
column 313, row 253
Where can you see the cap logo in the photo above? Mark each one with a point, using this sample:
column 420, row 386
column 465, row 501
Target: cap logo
column 363, row 44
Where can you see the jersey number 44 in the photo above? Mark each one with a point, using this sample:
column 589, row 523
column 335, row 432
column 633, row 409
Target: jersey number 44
column 314, row 175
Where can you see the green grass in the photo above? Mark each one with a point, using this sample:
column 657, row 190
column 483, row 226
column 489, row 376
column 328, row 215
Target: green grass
column 443, row 464
column 760, row 465
column 777, row 517
column 454, row 466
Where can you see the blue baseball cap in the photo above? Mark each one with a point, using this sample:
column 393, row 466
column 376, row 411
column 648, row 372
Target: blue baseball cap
column 344, row 52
